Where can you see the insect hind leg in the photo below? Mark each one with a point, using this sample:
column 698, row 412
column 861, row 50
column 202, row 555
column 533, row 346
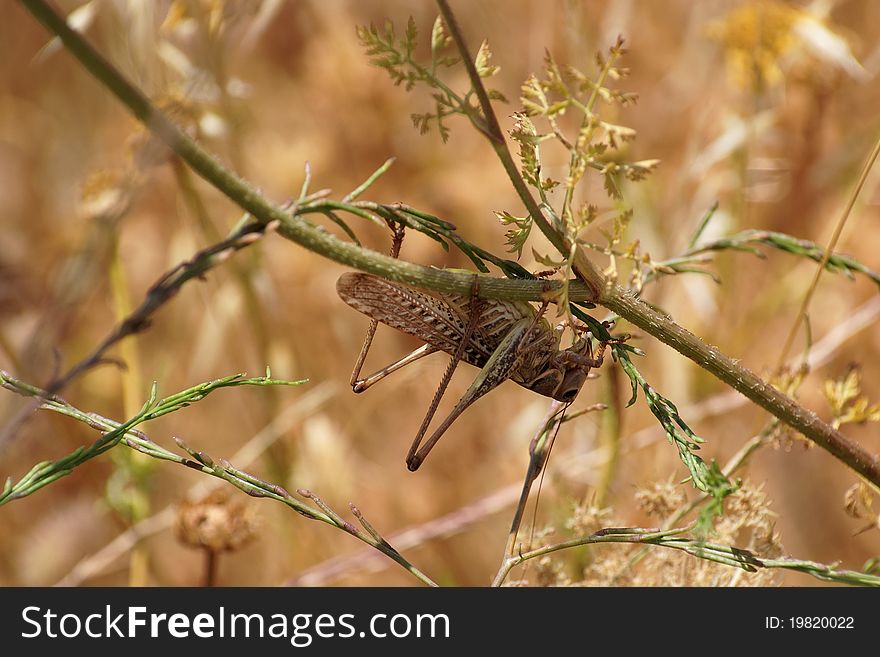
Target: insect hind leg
column 415, row 456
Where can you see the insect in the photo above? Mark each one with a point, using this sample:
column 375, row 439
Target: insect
column 506, row 339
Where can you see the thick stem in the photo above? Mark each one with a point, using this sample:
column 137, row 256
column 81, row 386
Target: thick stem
column 744, row 380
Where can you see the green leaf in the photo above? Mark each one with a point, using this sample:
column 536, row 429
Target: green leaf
column 610, row 183
column 547, row 261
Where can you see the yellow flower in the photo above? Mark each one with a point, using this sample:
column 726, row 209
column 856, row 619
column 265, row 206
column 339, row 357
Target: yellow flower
column 762, row 37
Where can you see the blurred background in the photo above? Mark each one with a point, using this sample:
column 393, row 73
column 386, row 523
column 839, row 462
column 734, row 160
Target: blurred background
column 769, row 108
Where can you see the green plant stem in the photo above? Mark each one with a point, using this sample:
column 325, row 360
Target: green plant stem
column 744, row 380
column 584, row 269
column 311, row 237
column 114, row 433
column 672, row 538
column 609, row 434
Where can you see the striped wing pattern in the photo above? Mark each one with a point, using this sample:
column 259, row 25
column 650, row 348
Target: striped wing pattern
column 439, row 320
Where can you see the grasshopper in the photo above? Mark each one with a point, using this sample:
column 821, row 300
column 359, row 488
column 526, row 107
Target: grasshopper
column 506, row 339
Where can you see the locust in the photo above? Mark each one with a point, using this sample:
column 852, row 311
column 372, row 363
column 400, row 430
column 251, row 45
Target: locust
column 505, row 339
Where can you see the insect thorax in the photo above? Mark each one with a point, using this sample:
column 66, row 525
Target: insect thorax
column 555, row 373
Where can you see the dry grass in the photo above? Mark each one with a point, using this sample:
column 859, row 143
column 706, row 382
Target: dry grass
column 309, row 95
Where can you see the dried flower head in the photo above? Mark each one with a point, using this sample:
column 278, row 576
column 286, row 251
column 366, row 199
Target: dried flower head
column 661, row 499
column 748, row 524
column 848, row 405
column 551, row 572
column 859, row 502
column 587, row 518
column 216, row 522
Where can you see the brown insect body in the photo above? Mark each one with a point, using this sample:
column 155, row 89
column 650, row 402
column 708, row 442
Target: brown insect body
column 441, row 321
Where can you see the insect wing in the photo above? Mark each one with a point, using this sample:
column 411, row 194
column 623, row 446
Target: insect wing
column 410, row 311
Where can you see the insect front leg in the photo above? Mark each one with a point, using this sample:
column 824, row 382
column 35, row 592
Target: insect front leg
column 573, row 357
column 501, row 364
column 358, row 384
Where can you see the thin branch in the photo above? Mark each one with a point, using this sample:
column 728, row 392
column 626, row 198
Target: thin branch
column 112, row 433
column 409, row 537
column 372, row 538
column 118, row 432
column 157, row 296
column 744, row 380
column 539, row 451
column 99, row 561
column 838, row 229
column 676, row 540
column 585, row 270
column 163, row 291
